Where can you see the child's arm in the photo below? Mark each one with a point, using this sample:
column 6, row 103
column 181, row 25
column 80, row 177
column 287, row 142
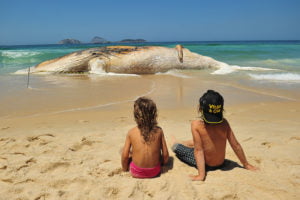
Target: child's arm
column 165, row 152
column 125, row 154
column 238, row 150
column 198, row 154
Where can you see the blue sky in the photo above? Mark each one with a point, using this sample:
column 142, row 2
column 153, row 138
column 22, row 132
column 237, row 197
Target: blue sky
column 49, row 21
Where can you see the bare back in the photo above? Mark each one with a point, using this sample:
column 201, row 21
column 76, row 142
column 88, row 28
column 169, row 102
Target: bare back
column 146, row 154
column 213, row 139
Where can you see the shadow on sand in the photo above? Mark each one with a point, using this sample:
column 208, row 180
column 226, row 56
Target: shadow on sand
column 229, row 165
column 226, row 166
column 168, row 166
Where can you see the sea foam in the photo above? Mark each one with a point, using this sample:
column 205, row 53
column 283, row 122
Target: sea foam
column 227, row 69
column 173, row 72
column 19, row 54
column 102, row 73
column 276, row 77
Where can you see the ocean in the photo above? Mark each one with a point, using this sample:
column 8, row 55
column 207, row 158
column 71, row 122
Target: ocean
column 283, row 57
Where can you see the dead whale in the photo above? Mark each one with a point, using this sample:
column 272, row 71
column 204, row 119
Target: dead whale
column 127, row 59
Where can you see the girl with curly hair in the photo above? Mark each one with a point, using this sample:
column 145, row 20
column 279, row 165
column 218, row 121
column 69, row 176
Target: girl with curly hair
column 145, row 148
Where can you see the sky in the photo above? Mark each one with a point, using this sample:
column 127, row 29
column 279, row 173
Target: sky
column 49, row 21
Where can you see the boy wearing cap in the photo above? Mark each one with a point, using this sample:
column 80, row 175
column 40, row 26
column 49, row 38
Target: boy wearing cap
column 207, row 150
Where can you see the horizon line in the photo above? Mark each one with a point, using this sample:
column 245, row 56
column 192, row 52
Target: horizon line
column 175, row 41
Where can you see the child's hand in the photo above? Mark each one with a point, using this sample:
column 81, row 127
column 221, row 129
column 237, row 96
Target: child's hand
column 251, row 167
column 197, row 178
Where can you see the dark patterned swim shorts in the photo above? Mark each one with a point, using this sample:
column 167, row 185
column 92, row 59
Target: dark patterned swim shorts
column 186, row 155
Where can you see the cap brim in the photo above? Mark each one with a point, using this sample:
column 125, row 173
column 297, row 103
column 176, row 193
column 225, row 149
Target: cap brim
column 213, row 118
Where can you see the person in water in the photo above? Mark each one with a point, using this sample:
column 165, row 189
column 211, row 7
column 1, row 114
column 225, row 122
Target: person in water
column 145, row 148
column 207, row 149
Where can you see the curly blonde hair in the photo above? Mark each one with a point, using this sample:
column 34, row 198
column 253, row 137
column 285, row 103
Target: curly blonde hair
column 145, row 114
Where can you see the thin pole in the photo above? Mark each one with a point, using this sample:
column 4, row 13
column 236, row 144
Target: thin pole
column 28, row 77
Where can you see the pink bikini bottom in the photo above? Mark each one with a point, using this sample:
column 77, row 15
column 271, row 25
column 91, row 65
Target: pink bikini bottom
column 139, row 172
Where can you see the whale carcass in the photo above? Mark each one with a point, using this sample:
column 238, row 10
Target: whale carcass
column 127, row 59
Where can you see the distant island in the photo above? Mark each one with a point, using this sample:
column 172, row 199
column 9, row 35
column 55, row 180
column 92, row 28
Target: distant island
column 100, row 40
column 133, row 41
column 69, row 41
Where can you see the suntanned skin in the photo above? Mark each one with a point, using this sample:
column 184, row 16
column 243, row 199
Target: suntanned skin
column 144, row 154
column 209, row 142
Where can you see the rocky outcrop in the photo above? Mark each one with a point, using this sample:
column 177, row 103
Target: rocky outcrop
column 69, row 41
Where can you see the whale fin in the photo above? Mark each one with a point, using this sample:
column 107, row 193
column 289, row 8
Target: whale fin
column 180, row 52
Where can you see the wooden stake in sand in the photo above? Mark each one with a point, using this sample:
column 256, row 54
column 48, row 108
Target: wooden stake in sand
column 28, row 77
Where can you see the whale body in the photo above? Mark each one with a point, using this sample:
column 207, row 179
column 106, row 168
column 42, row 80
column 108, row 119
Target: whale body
column 127, row 59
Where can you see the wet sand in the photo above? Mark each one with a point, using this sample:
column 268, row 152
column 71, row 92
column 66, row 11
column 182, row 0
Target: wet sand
column 61, row 139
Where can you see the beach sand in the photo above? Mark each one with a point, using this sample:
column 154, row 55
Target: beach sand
column 61, row 139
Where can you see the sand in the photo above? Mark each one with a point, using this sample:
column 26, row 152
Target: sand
column 61, row 139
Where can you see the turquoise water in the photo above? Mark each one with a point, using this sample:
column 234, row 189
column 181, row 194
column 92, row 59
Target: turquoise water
column 284, row 56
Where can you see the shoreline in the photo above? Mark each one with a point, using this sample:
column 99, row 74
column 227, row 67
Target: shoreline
column 53, row 94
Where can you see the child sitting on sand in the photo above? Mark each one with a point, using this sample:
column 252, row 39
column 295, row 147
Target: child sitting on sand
column 207, row 149
column 145, row 147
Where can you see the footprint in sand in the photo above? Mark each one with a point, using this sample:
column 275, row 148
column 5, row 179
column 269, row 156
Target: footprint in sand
column 29, row 180
column 257, row 160
column 61, row 193
column 21, row 167
column 28, row 163
column 84, row 142
column 139, row 191
column 60, row 183
column 7, row 180
column 3, row 166
column 41, row 196
column 97, row 172
column 111, row 192
column 31, row 160
column 7, row 140
column 55, row 165
column 267, row 144
column 117, row 171
column 38, row 137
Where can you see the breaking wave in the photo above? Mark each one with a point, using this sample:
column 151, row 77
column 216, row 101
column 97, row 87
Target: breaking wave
column 227, row 69
column 276, row 77
column 19, row 54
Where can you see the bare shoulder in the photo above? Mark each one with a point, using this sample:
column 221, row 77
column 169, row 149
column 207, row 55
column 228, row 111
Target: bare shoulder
column 133, row 131
column 158, row 130
column 225, row 123
column 197, row 124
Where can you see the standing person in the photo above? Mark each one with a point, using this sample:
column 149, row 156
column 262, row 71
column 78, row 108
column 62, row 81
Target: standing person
column 207, row 149
column 145, row 148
